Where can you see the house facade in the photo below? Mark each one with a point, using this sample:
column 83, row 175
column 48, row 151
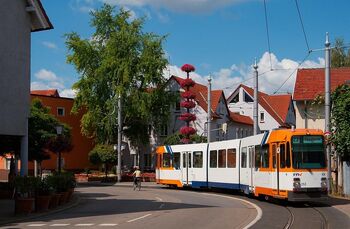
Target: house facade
column 18, row 20
column 274, row 111
column 309, row 85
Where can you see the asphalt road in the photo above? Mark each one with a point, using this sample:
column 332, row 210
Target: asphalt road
column 154, row 207
column 121, row 207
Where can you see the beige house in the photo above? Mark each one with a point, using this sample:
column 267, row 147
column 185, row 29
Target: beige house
column 309, row 85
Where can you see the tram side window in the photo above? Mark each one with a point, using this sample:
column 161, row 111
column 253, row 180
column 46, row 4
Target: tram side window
column 213, row 159
column 251, row 155
column 288, row 155
column 244, row 157
column 258, row 157
column 166, row 160
column 222, row 158
column 184, row 160
column 189, row 160
column 274, row 149
column 282, row 155
column 197, row 159
column 176, row 162
column 265, row 156
column 231, row 158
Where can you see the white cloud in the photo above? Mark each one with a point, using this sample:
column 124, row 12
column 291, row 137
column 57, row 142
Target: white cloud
column 196, row 6
column 49, row 45
column 46, row 79
column 68, row 93
column 228, row 79
column 46, row 75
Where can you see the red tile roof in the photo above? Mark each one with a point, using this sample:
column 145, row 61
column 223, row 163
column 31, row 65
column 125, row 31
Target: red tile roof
column 50, row 92
column 241, row 118
column 201, row 92
column 276, row 105
column 310, row 82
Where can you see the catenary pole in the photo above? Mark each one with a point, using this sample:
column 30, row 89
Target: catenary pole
column 328, row 107
column 119, row 175
column 255, row 108
column 209, row 109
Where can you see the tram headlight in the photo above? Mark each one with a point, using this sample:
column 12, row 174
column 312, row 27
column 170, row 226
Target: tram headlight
column 296, row 184
column 324, row 183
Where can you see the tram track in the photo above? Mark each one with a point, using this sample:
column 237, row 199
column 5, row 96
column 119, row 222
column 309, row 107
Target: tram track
column 325, row 223
column 290, row 219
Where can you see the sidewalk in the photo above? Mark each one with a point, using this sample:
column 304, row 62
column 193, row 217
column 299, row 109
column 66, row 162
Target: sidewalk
column 7, row 209
column 342, row 204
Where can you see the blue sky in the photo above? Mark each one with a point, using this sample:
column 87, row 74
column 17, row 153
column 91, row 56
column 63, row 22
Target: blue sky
column 220, row 38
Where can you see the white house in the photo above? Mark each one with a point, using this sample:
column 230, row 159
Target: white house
column 237, row 125
column 274, row 111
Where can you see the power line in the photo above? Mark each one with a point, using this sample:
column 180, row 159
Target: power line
column 308, row 54
column 246, row 80
column 267, row 33
column 302, row 25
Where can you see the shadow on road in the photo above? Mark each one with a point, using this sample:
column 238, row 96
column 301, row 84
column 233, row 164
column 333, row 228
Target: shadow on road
column 102, row 204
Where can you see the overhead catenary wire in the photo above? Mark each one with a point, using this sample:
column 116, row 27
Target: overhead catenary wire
column 302, row 25
column 267, row 33
column 290, row 75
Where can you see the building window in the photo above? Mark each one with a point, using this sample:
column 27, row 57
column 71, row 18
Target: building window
column 164, row 130
column 60, row 111
column 262, row 117
column 247, row 98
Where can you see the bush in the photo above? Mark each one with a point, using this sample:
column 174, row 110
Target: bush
column 26, row 186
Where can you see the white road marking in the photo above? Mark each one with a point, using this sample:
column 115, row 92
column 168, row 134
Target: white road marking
column 161, row 206
column 160, row 199
column 84, row 224
column 108, row 224
column 132, row 220
column 258, row 209
column 36, row 225
column 59, row 225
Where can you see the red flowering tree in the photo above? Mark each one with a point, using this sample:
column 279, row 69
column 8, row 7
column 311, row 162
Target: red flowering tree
column 188, row 103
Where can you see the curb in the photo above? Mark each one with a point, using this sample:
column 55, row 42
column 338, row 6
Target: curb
column 75, row 201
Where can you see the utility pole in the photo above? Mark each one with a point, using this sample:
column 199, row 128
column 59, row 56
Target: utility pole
column 209, row 109
column 328, row 107
column 119, row 175
column 255, row 108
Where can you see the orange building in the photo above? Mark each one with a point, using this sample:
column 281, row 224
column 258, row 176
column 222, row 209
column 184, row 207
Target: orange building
column 77, row 158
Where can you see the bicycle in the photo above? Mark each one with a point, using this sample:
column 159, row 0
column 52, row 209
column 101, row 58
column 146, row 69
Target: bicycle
column 137, row 184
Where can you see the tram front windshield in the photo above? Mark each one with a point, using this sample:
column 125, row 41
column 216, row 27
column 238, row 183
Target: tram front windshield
column 308, row 152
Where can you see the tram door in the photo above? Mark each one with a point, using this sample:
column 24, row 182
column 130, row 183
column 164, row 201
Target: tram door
column 276, row 168
column 186, row 168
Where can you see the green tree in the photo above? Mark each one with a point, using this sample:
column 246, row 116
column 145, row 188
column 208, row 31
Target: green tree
column 103, row 154
column 42, row 136
column 339, row 56
column 341, row 121
column 119, row 60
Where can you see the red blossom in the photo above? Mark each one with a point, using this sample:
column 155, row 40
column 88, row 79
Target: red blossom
column 188, row 95
column 187, row 83
column 185, row 140
column 188, row 68
column 187, row 130
column 187, row 104
column 187, row 117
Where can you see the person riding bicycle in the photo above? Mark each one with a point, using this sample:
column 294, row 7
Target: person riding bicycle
column 137, row 175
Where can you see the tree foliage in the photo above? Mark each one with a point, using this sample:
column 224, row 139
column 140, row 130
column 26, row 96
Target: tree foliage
column 42, row 135
column 103, row 154
column 122, row 60
column 341, row 121
column 339, row 56
column 175, row 139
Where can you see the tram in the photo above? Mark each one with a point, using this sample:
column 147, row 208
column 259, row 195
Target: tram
column 284, row 163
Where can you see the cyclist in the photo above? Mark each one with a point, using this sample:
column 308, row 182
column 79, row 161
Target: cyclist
column 137, row 176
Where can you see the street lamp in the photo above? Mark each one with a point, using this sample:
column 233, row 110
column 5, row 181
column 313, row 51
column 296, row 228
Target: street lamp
column 59, row 129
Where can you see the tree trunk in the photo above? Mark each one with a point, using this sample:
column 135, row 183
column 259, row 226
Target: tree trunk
column 106, row 171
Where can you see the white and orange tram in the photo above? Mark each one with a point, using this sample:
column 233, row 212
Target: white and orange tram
column 284, row 163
